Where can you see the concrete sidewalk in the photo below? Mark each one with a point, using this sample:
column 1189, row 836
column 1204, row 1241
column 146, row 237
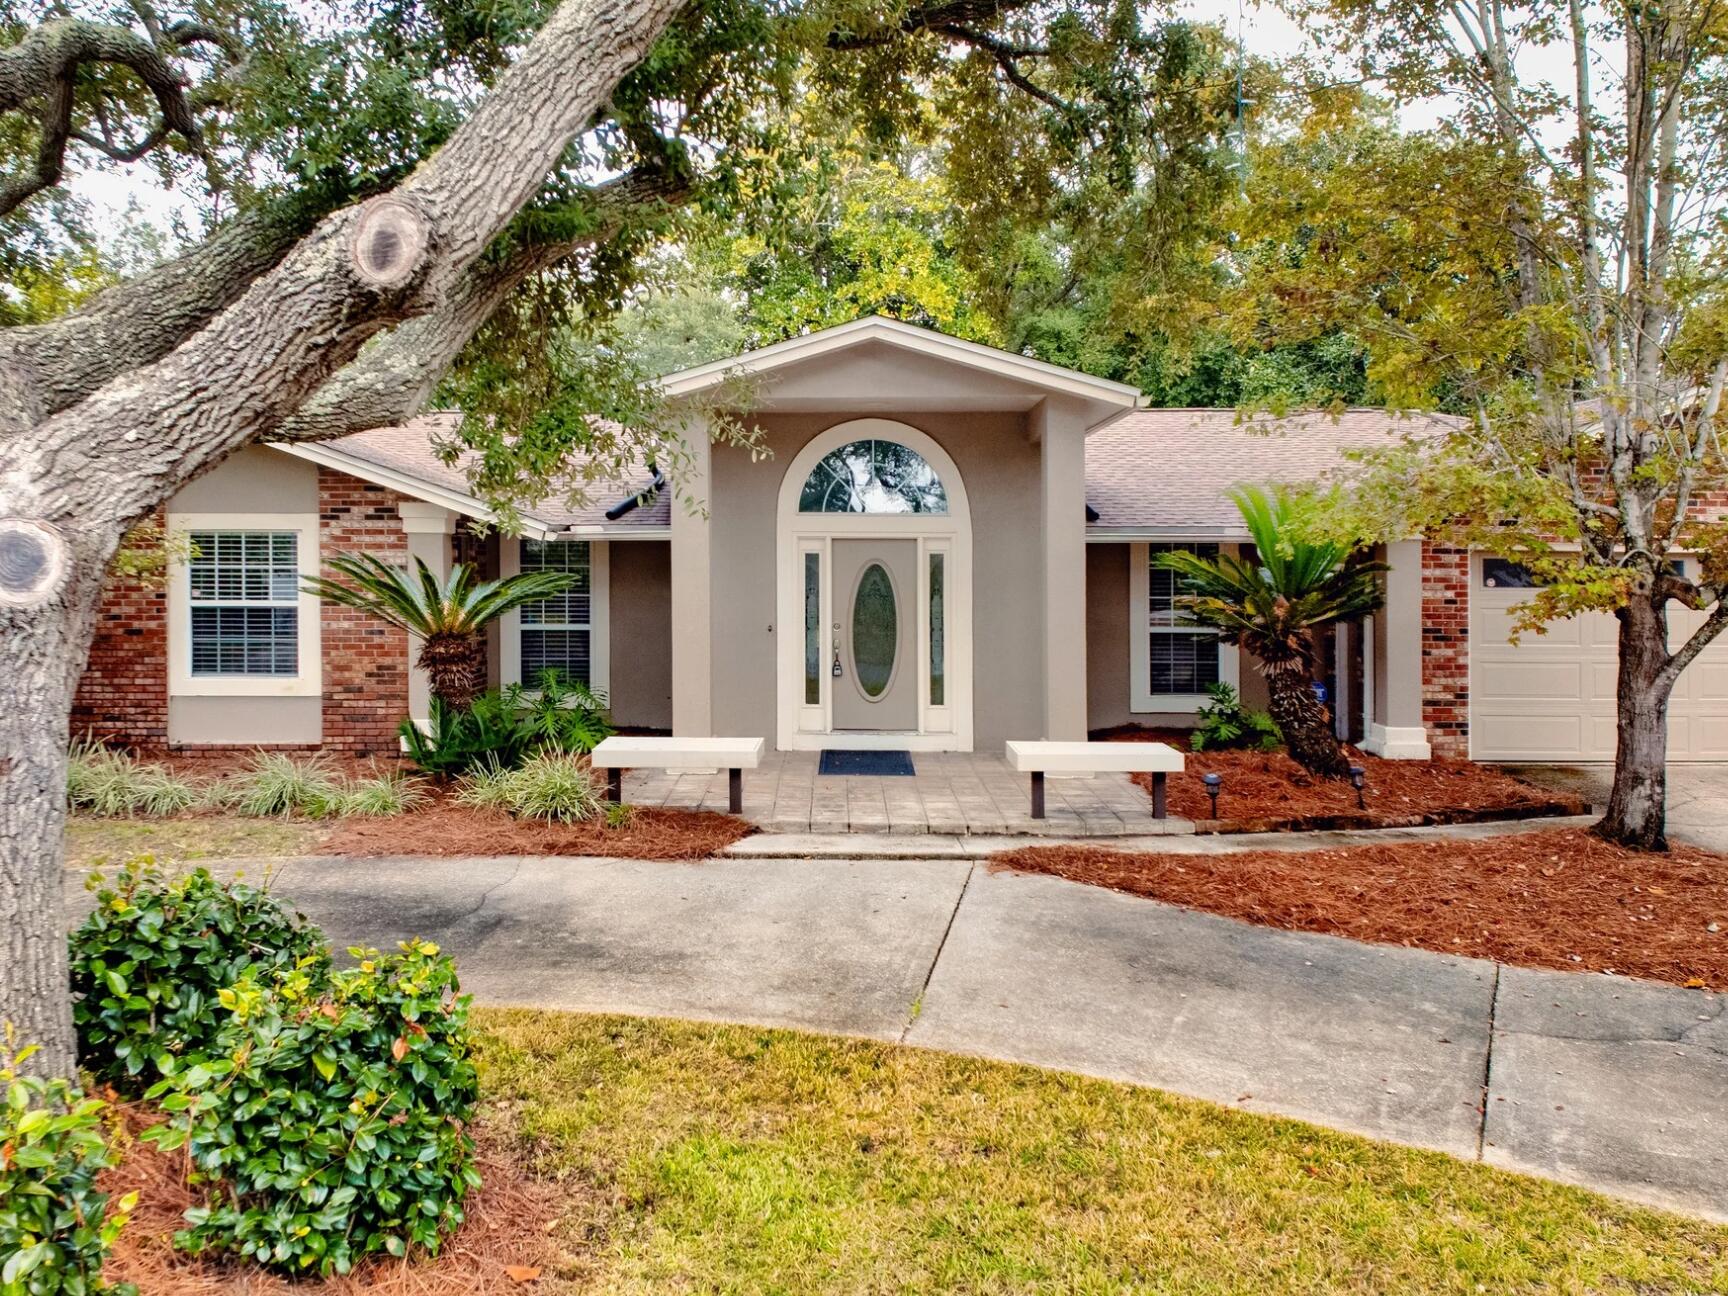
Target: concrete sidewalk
column 1615, row 1084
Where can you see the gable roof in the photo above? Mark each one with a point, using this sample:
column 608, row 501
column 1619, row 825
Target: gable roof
column 1109, row 399
column 1165, row 471
column 403, row 459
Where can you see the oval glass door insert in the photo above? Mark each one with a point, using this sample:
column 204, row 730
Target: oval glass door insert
column 875, row 630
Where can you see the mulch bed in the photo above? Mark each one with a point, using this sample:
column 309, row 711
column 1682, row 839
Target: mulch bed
column 510, row 1219
column 446, row 828
column 1557, row 899
column 1269, row 792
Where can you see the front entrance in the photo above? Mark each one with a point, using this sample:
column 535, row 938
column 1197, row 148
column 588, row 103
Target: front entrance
column 877, row 685
column 874, row 593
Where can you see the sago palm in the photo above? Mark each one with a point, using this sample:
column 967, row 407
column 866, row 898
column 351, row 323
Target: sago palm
column 447, row 615
column 1273, row 605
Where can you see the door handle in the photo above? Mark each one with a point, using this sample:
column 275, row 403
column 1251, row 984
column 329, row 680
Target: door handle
column 837, row 671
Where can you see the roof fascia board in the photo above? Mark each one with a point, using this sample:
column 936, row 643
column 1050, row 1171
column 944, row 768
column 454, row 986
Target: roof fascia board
column 394, row 479
column 1162, row 535
column 972, row 355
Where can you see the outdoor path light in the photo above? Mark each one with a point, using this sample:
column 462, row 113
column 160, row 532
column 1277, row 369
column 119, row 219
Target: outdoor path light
column 1213, row 782
column 1359, row 780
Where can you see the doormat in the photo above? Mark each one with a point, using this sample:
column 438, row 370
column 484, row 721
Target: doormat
column 866, row 762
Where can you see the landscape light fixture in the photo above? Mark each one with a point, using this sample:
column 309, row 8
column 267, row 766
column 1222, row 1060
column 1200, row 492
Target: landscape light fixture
column 1213, row 782
column 1359, row 780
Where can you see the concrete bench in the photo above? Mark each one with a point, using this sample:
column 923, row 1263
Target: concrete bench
column 1041, row 758
column 734, row 755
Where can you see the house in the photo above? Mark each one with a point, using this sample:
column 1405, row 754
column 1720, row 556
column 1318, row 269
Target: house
column 935, row 545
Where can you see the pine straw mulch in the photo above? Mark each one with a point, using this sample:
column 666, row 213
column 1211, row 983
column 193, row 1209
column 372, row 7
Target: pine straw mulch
column 1556, row 899
column 446, row 828
column 510, row 1226
column 1269, row 792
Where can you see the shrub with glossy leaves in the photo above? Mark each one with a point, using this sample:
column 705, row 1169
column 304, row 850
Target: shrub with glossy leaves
column 55, row 1227
column 150, row 960
column 1227, row 722
column 331, row 1115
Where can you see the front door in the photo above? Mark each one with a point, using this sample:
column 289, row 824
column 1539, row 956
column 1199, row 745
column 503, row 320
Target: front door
column 875, row 600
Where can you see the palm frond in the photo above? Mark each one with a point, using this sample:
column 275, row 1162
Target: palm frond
column 416, row 600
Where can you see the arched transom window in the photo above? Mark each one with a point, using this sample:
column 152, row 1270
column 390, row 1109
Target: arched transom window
column 873, row 477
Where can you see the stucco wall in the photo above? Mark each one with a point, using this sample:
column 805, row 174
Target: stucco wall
column 640, row 598
column 1000, row 467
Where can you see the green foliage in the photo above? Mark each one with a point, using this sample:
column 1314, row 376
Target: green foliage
column 102, row 781
column 1225, row 723
column 55, row 1227
column 554, row 786
column 278, row 784
column 330, row 1114
column 505, row 727
column 460, row 605
column 154, row 954
column 1272, row 601
column 381, row 796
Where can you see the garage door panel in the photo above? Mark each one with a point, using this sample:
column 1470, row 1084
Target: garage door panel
column 1551, row 696
column 1528, row 681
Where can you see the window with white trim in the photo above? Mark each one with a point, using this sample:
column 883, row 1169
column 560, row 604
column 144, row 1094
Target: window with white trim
column 243, row 604
column 558, row 633
column 1181, row 661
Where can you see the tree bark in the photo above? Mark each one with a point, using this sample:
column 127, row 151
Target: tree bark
column 1305, row 723
column 1637, row 804
column 43, row 647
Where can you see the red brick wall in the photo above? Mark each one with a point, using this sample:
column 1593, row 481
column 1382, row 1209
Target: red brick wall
column 1446, row 649
column 123, row 695
column 365, row 661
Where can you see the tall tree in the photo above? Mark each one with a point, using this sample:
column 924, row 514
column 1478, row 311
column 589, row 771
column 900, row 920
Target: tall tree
column 1549, row 262
column 471, row 139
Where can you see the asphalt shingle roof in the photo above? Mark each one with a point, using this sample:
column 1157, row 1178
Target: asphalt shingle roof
column 1168, row 469
column 1162, row 470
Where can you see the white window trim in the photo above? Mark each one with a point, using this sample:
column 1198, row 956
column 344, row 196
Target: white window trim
column 599, row 614
column 1141, row 699
column 309, row 681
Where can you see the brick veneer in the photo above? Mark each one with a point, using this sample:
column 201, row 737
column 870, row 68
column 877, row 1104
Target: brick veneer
column 365, row 661
column 1446, row 649
column 122, row 696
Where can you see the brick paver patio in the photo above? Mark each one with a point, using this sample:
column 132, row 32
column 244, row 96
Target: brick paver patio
column 961, row 793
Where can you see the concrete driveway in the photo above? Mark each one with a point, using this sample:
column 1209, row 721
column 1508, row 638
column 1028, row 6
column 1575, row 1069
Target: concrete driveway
column 1697, row 796
column 1595, row 1080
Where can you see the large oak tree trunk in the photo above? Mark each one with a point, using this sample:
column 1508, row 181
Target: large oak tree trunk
column 1305, row 723
column 1637, row 804
column 43, row 646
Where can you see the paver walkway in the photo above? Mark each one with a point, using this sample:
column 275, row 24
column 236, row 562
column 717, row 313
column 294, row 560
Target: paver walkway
column 951, row 792
column 1612, row 1083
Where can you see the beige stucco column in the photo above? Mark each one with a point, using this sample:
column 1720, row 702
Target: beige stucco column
column 1060, row 429
column 1397, row 732
column 428, row 528
column 692, row 593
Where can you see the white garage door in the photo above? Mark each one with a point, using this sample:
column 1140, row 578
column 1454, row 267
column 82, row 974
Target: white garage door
column 1551, row 696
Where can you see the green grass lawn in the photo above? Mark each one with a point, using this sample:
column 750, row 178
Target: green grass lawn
column 91, row 841
column 729, row 1159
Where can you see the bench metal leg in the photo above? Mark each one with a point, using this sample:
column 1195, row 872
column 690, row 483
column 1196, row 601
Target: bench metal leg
column 615, row 785
column 1037, row 794
column 735, row 791
column 1158, row 796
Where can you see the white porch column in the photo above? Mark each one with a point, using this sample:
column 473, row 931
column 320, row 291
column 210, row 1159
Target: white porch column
column 428, row 528
column 1397, row 732
column 1060, row 430
column 692, row 594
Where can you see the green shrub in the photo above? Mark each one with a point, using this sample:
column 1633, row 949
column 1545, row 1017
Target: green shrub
column 277, row 785
column 381, row 796
column 55, row 1227
column 552, row 786
column 1225, row 723
column 101, row 781
column 505, row 727
column 332, row 1114
column 150, row 960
